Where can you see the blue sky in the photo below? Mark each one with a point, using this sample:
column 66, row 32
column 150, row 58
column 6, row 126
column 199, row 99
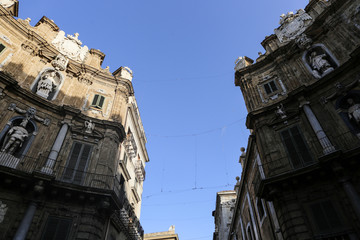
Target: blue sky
column 182, row 54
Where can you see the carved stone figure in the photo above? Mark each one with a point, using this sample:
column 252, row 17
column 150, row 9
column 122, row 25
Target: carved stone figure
column 15, row 138
column 303, row 41
column 280, row 111
column 89, row 126
column 60, row 62
column 354, row 110
column 7, row 3
column 292, row 25
column 319, row 64
column 3, row 210
column 47, row 83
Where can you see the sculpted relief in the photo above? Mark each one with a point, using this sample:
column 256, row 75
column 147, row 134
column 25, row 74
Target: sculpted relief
column 7, row 3
column 70, row 46
column 292, row 25
column 47, row 84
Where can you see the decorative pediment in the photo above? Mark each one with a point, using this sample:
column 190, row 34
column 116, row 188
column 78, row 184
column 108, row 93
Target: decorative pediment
column 292, row 25
column 70, row 46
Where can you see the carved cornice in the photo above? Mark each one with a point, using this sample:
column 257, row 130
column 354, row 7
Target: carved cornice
column 49, row 22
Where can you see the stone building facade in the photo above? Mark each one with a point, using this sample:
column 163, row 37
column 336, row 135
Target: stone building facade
column 72, row 144
column 225, row 201
column 167, row 235
column 300, row 177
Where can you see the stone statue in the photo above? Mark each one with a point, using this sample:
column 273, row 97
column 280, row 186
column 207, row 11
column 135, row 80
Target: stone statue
column 280, row 111
column 47, row 83
column 319, row 64
column 89, row 126
column 354, row 110
column 3, row 209
column 15, row 138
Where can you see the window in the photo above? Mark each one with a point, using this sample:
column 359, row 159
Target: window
column 260, row 209
column 249, row 232
column 296, row 147
column 77, row 162
column 125, row 159
column 2, row 47
column 98, row 101
column 56, row 228
column 270, row 87
column 325, row 217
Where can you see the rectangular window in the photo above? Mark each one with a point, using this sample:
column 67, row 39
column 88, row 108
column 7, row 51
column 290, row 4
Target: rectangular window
column 260, row 209
column 77, row 162
column 296, row 147
column 270, row 87
column 56, row 228
column 98, row 101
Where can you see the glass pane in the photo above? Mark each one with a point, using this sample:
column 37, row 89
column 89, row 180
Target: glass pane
column 291, row 149
column 70, row 168
column 273, row 86
column 95, row 100
column 267, row 88
column 101, row 102
column 302, row 149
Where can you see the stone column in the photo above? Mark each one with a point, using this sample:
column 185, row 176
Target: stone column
column 50, row 162
column 320, row 134
column 26, row 221
column 352, row 195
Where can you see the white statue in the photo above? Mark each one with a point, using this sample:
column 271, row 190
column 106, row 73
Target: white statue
column 47, row 83
column 319, row 64
column 89, row 126
column 280, row 111
column 70, row 46
column 15, row 138
column 3, row 209
column 354, row 110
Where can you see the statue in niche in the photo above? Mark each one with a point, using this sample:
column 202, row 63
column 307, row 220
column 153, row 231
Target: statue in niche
column 320, row 64
column 280, row 111
column 15, row 137
column 3, row 210
column 48, row 82
column 354, row 110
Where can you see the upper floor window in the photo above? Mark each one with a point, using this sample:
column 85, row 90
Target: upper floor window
column 98, row 101
column 270, row 87
column 296, row 147
column 260, row 209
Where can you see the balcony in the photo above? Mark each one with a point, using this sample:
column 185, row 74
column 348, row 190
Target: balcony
column 277, row 167
column 140, row 170
column 25, row 168
column 130, row 145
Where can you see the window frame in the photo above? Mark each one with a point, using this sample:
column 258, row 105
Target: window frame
column 98, row 101
column 299, row 154
column 59, row 220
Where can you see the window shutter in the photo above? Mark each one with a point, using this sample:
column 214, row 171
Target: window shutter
column 85, row 154
column 101, row 102
column 267, row 88
column 75, row 169
column 71, row 166
column 300, row 144
column 291, row 149
column 273, row 86
column 95, row 100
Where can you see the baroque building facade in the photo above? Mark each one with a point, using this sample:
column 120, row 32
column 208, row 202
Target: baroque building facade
column 72, row 143
column 300, row 172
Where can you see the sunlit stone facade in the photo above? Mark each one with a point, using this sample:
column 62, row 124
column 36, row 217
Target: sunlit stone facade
column 72, row 144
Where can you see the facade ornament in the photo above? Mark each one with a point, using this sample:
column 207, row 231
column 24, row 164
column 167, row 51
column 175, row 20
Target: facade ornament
column 7, row 3
column 3, row 210
column 303, row 41
column 48, row 82
column 30, row 48
column 70, row 46
column 319, row 64
column 292, row 25
column 280, row 111
column 126, row 72
column 60, row 62
column 89, row 126
column 28, row 20
column 30, row 113
column 15, row 137
column 242, row 62
column 354, row 110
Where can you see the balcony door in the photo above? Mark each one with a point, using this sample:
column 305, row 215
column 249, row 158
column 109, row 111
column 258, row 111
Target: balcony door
column 77, row 163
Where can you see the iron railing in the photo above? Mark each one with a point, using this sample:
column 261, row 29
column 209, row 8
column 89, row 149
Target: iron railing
column 40, row 164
